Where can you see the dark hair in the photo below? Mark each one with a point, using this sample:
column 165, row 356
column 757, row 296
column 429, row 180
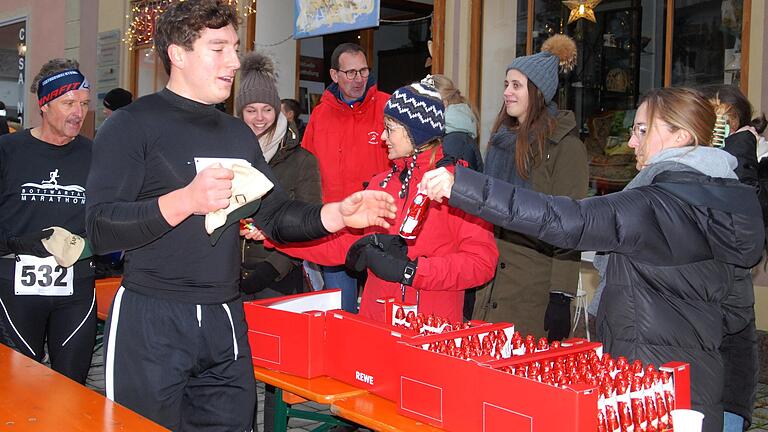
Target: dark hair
column 292, row 105
column 2, row 105
column 347, row 47
column 50, row 68
column 182, row 23
column 741, row 108
column 538, row 124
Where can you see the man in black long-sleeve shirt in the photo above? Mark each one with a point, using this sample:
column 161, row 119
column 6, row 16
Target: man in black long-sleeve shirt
column 176, row 347
column 42, row 174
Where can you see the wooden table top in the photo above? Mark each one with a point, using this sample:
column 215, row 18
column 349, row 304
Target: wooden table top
column 105, row 293
column 321, row 389
column 35, row 398
column 377, row 413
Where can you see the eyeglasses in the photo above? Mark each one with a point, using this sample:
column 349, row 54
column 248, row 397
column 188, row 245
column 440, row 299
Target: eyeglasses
column 352, row 73
column 390, row 128
column 640, row 130
column 637, row 130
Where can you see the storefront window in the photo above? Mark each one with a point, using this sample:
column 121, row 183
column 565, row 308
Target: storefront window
column 13, row 49
column 522, row 27
column 706, row 44
column 622, row 55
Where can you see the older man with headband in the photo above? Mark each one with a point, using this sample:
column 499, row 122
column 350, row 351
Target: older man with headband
column 43, row 294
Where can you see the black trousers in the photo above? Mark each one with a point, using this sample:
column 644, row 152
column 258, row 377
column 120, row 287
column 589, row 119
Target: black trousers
column 68, row 323
column 187, row 367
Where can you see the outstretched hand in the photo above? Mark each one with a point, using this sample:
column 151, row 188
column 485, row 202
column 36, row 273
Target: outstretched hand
column 437, row 184
column 359, row 210
column 368, row 208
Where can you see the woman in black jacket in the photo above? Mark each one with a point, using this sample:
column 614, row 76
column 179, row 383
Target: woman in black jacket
column 737, row 133
column 268, row 273
column 674, row 240
column 461, row 120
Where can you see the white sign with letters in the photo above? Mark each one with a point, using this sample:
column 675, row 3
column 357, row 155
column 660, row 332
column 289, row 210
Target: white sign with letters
column 42, row 276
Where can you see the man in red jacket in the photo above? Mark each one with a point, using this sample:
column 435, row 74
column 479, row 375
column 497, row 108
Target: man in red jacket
column 344, row 134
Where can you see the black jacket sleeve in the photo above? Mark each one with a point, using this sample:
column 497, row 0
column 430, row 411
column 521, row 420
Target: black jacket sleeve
column 628, row 222
column 118, row 219
column 743, row 146
column 115, row 220
column 461, row 146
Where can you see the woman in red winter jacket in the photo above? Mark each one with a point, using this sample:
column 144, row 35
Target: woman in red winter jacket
column 453, row 251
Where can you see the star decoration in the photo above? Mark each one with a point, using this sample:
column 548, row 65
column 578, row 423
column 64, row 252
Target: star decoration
column 581, row 9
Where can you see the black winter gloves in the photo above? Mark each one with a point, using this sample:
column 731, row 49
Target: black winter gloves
column 356, row 258
column 260, row 277
column 30, row 244
column 386, row 255
column 557, row 318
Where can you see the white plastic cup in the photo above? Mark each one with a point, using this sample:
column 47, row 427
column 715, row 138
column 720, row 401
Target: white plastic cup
column 685, row 420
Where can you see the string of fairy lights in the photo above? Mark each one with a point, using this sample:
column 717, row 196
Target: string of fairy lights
column 141, row 18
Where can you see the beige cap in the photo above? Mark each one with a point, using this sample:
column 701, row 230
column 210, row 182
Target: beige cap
column 248, row 185
column 66, row 248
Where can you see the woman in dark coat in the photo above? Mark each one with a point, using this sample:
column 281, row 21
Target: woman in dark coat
column 675, row 239
column 461, row 119
column 738, row 134
column 535, row 146
column 266, row 272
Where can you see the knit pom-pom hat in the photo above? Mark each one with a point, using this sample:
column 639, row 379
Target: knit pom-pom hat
column 257, row 82
column 419, row 109
column 558, row 51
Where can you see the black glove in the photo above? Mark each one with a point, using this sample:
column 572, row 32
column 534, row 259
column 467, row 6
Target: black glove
column 557, row 318
column 393, row 244
column 389, row 267
column 30, row 244
column 260, row 277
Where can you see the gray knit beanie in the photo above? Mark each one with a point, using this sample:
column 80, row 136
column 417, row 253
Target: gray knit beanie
column 542, row 68
column 257, row 82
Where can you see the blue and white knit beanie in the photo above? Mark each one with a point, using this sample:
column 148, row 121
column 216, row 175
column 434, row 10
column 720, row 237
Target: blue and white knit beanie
column 420, row 109
column 542, row 68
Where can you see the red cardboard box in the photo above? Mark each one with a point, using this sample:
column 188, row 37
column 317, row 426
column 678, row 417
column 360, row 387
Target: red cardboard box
column 439, row 389
column 361, row 352
column 681, row 378
column 287, row 334
column 462, row 395
column 510, row 402
column 517, row 403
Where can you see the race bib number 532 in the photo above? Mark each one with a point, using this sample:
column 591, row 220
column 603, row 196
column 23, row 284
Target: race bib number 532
column 42, row 276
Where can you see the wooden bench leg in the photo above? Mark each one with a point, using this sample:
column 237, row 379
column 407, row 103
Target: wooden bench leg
column 281, row 411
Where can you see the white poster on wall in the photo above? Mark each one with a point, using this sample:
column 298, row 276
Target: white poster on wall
column 107, row 67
